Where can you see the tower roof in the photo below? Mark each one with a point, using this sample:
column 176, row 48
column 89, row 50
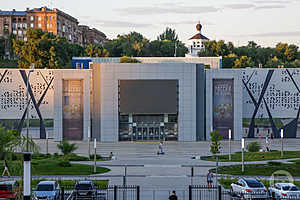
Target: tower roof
column 199, row 36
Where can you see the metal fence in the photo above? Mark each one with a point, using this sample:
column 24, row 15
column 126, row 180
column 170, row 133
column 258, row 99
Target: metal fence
column 127, row 192
column 199, row 192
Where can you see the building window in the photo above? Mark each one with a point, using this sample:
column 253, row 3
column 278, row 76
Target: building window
column 31, row 25
column 15, row 32
column 24, row 26
column 31, row 18
column 20, row 33
column 50, row 18
column 39, row 25
column 19, row 26
column 5, row 20
column 39, row 18
column 14, row 26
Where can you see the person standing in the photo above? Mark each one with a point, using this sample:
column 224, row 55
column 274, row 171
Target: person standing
column 209, row 178
column 5, row 168
column 173, row 196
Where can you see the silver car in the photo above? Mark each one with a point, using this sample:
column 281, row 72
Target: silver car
column 47, row 190
column 249, row 188
column 284, row 191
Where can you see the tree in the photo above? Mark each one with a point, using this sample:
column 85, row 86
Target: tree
column 45, row 50
column 94, row 50
column 66, row 148
column 168, row 34
column 2, row 47
column 243, row 62
column 166, row 48
column 215, row 142
column 133, row 45
column 12, row 141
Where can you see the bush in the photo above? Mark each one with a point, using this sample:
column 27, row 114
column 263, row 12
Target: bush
column 55, row 155
column 75, row 157
column 98, row 157
column 40, row 156
column 253, row 147
column 64, row 163
column 126, row 59
column 272, row 163
column 66, row 148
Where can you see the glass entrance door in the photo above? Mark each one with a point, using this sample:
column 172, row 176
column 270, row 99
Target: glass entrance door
column 151, row 133
column 156, row 133
column 139, row 133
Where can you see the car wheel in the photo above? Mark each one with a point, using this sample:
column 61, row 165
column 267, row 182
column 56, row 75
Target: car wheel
column 231, row 192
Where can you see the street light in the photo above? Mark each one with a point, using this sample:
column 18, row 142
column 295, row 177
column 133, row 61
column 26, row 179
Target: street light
column 243, row 147
column 28, row 104
column 95, row 147
column 229, row 134
column 281, row 135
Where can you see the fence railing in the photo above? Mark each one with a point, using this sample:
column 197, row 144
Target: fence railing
column 128, row 192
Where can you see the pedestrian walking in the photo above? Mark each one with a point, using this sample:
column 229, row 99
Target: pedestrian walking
column 5, row 169
column 267, row 144
column 160, row 148
column 209, row 178
column 173, row 196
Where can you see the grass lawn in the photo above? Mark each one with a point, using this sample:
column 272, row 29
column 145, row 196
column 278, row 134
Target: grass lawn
column 52, row 167
column 258, row 156
column 260, row 169
column 227, row 182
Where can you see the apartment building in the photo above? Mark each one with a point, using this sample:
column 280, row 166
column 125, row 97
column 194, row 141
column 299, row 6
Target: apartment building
column 46, row 19
column 56, row 22
column 92, row 36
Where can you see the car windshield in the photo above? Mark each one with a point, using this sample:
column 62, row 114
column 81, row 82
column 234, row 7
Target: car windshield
column 5, row 187
column 290, row 188
column 83, row 187
column 254, row 184
column 45, row 188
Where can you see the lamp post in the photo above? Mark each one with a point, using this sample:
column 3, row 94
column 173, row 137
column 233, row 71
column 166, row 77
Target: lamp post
column 95, row 147
column 28, row 104
column 47, row 142
column 243, row 147
column 89, row 142
column 229, row 135
column 27, row 176
column 281, row 135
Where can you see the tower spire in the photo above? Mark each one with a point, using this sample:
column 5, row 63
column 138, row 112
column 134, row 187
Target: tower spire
column 199, row 27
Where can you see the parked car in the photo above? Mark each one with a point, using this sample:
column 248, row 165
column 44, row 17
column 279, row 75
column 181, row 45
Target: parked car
column 284, row 191
column 85, row 190
column 10, row 190
column 49, row 190
column 249, row 188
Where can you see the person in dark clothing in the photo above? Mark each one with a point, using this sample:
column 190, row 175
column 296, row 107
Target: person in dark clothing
column 173, row 196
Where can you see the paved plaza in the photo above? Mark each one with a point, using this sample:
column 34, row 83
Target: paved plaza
column 160, row 173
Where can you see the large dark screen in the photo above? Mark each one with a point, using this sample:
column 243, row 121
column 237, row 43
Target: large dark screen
column 148, row 96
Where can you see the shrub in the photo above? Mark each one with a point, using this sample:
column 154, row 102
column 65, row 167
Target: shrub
column 40, row 156
column 272, row 163
column 215, row 139
column 75, row 157
column 64, row 163
column 66, row 148
column 126, row 59
column 253, row 147
column 98, row 157
column 55, row 155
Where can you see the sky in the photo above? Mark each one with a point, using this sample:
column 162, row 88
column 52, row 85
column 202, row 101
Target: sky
column 266, row 22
